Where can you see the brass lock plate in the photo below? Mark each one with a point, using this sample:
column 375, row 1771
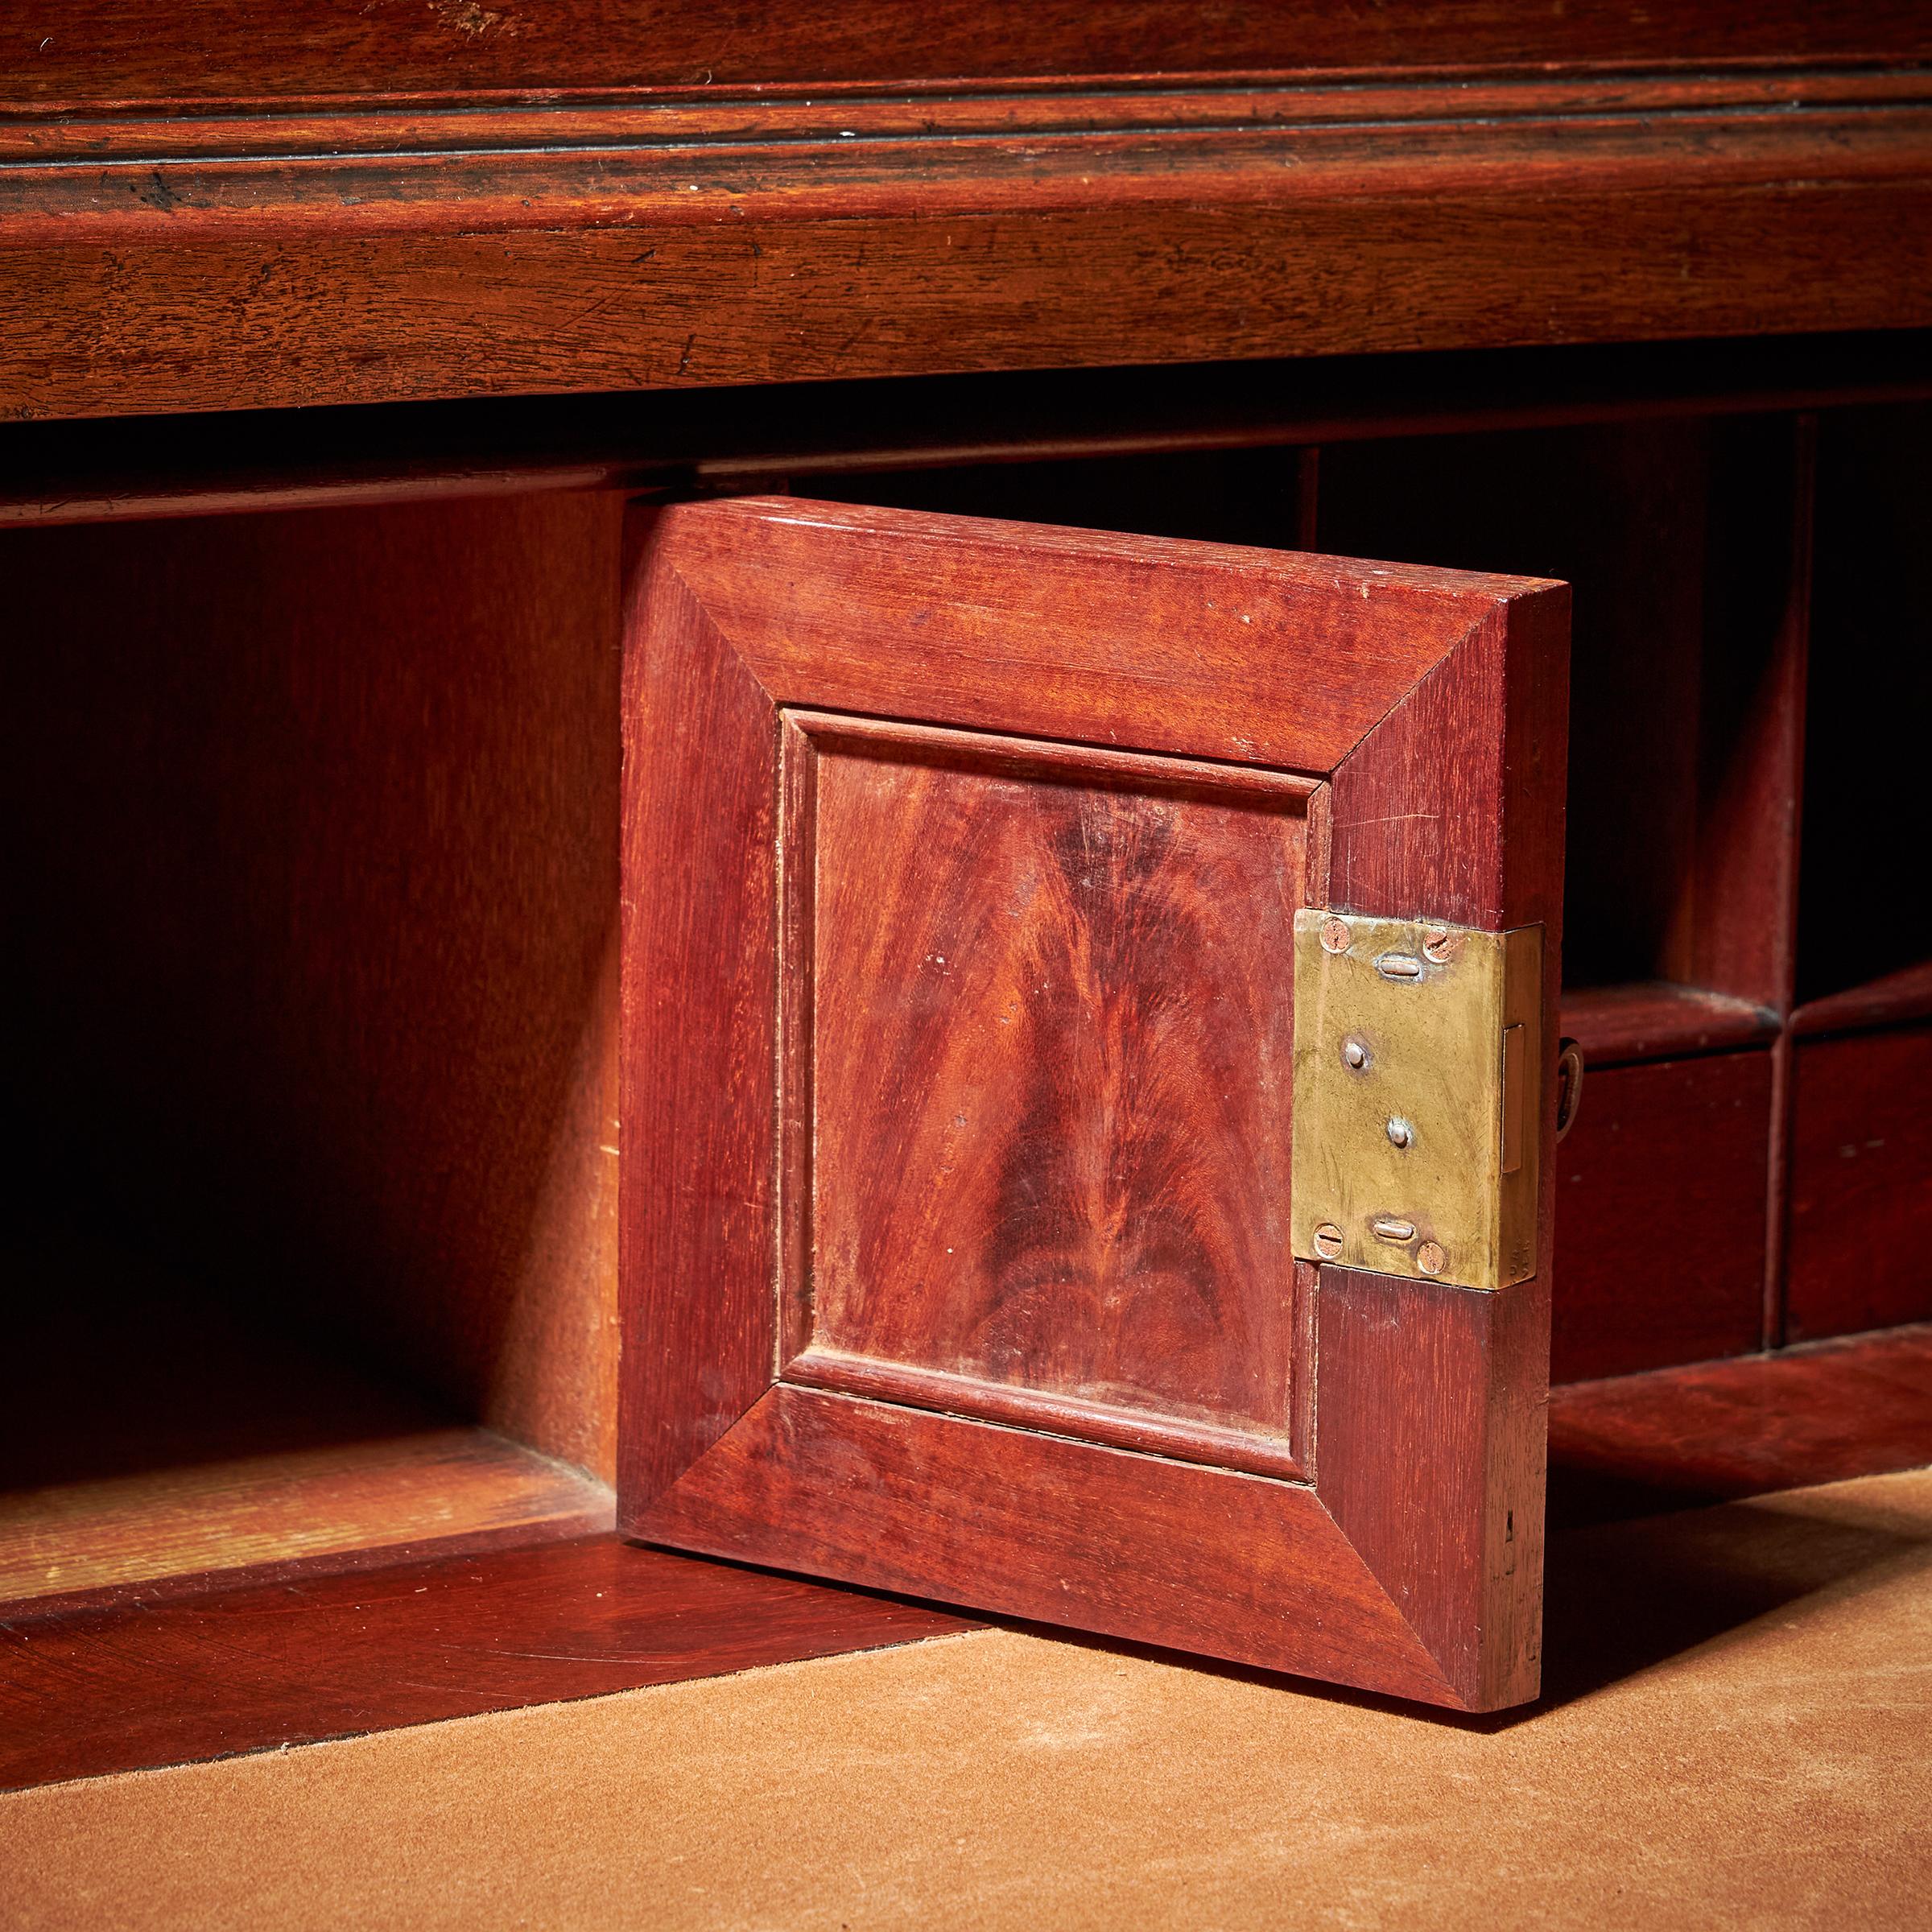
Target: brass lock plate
column 1417, row 1087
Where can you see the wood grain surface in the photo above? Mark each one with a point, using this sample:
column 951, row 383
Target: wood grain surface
column 152, row 1432
column 899, row 850
column 419, row 254
column 1050, row 1070
column 1059, row 1532
column 1430, row 1437
column 268, row 1665
column 1135, row 643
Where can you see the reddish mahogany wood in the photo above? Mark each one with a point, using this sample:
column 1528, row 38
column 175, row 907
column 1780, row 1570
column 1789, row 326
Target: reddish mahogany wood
column 567, row 261
column 1049, row 1072
column 99, row 51
column 1431, row 1450
column 699, row 1003
column 1677, row 1438
column 1889, row 1000
column 316, row 819
column 1860, row 1247
column 256, row 1669
column 1136, row 643
column 1059, row 1532
column 1653, row 1020
column 1661, row 1204
column 1123, row 1425
column 1734, row 922
column 1688, row 543
column 892, row 876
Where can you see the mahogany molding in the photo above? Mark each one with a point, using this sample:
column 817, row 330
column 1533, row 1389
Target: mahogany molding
column 80, row 53
column 1412, row 1563
column 355, row 253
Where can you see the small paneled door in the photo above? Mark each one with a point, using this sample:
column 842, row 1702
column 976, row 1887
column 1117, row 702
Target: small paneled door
column 1088, row 1080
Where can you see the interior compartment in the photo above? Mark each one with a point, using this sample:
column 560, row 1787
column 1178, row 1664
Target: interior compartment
column 314, row 1034
column 1864, row 913
column 314, row 1025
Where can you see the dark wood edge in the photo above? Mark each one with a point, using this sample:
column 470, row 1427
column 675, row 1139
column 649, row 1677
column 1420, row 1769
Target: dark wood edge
column 1216, row 1445
column 1652, row 1020
column 1703, row 1433
column 1431, row 1448
column 125, row 183
column 698, row 1025
column 1452, row 808
column 783, row 114
column 730, row 440
column 1899, row 999
column 1053, row 759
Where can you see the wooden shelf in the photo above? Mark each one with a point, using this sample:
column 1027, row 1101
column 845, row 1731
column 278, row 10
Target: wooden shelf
column 149, row 1435
column 1715, row 1431
column 1651, row 1020
column 1894, row 1000
column 259, row 1667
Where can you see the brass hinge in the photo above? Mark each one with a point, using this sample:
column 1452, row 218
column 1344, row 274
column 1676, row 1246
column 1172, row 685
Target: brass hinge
column 1418, row 1079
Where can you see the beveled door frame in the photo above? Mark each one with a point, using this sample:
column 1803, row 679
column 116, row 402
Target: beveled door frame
column 1428, row 708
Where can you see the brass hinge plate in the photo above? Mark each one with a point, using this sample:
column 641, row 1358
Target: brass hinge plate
column 1417, row 1086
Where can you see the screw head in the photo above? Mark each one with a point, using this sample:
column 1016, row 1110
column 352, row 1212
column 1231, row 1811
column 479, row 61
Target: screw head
column 1431, row 1258
column 1354, row 1055
column 1400, row 1134
column 1328, row 1240
column 1441, row 945
column 1335, row 935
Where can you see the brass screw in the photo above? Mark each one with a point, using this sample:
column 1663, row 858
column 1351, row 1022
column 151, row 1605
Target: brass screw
column 1441, row 945
column 1430, row 1257
column 1335, row 935
column 1328, row 1240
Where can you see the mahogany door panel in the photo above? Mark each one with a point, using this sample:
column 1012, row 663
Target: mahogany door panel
column 1050, row 1077
column 959, row 1245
